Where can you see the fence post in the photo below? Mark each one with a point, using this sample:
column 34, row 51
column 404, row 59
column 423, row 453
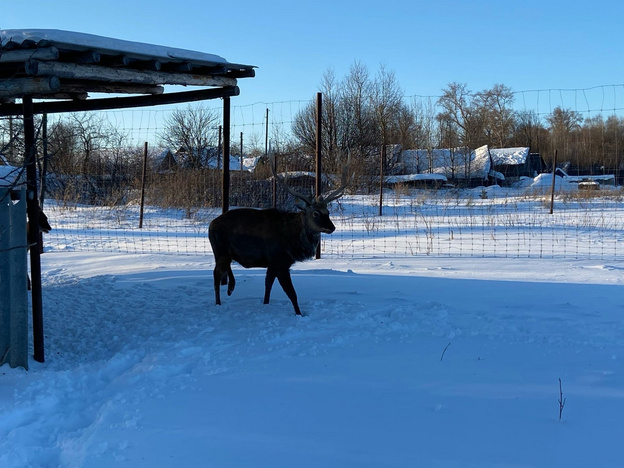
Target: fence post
column 32, row 201
column 381, row 177
column 13, row 279
column 225, row 201
column 143, row 177
column 318, row 187
column 552, row 189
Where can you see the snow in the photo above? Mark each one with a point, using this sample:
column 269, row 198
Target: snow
column 396, row 179
column 543, row 183
column 9, row 174
column 85, row 41
column 398, row 361
column 510, row 156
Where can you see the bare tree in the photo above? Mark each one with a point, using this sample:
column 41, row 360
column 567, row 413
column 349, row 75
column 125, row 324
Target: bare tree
column 496, row 114
column 193, row 131
column 563, row 123
column 386, row 101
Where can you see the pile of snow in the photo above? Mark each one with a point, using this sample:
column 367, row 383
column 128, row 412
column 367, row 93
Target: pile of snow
column 543, row 183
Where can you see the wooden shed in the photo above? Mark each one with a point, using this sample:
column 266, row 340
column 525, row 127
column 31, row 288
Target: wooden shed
column 45, row 71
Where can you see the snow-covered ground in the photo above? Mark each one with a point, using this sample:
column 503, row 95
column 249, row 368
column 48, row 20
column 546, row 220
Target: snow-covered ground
column 399, row 361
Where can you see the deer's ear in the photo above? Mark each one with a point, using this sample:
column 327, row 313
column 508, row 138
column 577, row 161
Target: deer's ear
column 301, row 204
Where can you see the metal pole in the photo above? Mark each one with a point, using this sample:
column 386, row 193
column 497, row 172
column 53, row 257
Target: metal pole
column 552, row 189
column 266, row 135
column 319, row 153
column 143, row 177
column 11, row 140
column 220, row 148
column 381, row 178
column 274, row 163
column 44, row 169
column 32, row 204
column 226, row 155
column 241, row 154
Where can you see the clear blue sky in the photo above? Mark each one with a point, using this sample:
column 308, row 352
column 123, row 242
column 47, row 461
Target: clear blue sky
column 428, row 44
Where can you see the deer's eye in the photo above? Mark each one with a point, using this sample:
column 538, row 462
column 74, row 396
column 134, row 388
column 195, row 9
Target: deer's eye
column 316, row 214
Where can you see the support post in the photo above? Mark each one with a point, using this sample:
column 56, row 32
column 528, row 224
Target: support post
column 318, row 186
column 225, row 200
column 274, row 162
column 552, row 189
column 143, row 177
column 241, row 153
column 381, row 178
column 32, row 204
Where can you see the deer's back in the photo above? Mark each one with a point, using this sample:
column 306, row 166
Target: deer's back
column 257, row 238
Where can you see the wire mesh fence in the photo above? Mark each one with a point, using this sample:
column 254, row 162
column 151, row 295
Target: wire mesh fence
column 416, row 223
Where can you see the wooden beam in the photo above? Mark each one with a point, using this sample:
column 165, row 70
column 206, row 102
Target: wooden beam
column 107, row 74
column 61, row 95
column 82, row 57
column 150, row 65
column 47, row 53
column 182, row 67
column 72, row 86
column 17, row 87
column 123, row 102
column 250, row 73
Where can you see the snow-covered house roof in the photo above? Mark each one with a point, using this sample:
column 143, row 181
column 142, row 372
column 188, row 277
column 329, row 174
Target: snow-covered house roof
column 458, row 163
column 509, row 156
column 419, row 161
column 9, row 175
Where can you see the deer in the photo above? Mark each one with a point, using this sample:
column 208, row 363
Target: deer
column 271, row 238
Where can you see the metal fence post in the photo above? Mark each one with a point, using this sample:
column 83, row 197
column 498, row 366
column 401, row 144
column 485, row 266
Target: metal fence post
column 13, row 279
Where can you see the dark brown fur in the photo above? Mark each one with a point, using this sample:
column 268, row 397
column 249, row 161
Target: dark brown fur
column 270, row 239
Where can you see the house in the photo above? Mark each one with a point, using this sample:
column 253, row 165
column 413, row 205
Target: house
column 588, row 182
column 9, row 174
column 212, row 158
column 514, row 163
column 163, row 161
column 458, row 165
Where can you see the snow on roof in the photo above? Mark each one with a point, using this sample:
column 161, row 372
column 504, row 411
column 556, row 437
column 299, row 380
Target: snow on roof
column 396, row 179
column 8, row 175
column 509, row 156
column 426, row 160
column 478, row 163
column 77, row 40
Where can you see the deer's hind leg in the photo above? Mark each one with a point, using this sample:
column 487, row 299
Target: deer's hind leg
column 230, row 280
column 222, row 272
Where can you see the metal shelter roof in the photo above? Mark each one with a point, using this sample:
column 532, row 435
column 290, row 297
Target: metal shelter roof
column 61, row 68
column 51, row 71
